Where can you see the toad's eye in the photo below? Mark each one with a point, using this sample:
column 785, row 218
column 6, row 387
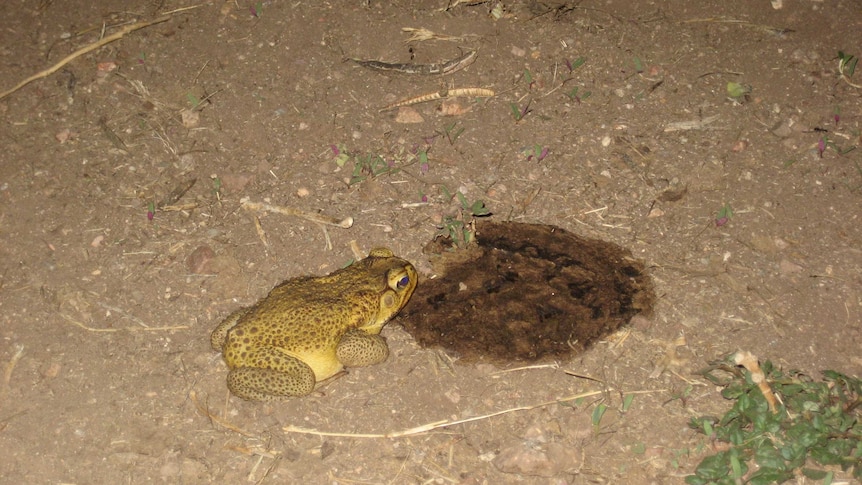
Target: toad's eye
column 403, row 282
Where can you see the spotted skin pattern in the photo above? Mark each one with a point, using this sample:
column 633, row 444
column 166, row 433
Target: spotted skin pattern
column 309, row 328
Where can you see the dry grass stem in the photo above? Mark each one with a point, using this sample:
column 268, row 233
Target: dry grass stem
column 221, row 422
column 445, row 423
column 80, row 52
column 7, row 372
column 261, row 234
column 126, row 329
column 356, row 250
column 528, row 367
column 290, row 211
column 423, row 34
column 690, row 125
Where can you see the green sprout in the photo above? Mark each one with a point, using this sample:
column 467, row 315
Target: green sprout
column 459, row 227
column 846, row 64
column 596, row 417
column 737, row 91
column 451, row 132
column 193, row 100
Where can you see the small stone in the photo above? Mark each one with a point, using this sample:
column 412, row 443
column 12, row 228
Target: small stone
column 655, row 212
column 198, row 261
column 190, row 118
column 787, row 267
column 408, row 115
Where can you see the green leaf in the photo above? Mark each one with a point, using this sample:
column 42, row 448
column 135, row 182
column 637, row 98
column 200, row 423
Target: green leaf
column 814, row 474
column 598, row 412
column 627, row 402
column 767, row 476
column 578, row 62
column 695, row 480
column 516, row 111
column 768, row 457
column 462, row 200
column 713, row 467
column 738, row 468
column 193, row 100
column 736, row 90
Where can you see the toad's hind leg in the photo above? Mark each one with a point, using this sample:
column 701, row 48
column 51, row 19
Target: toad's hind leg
column 271, row 374
column 358, row 348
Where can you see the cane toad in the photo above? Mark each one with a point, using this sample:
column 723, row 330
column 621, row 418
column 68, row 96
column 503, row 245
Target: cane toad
column 309, row 328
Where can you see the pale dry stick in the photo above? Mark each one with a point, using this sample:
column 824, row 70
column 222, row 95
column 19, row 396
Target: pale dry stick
column 80, row 52
column 124, row 313
column 844, row 77
column 422, row 34
column 749, row 361
column 221, row 422
column 345, row 223
column 357, row 252
column 446, row 93
column 445, row 423
column 327, row 241
column 7, row 372
column 126, row 329
column 528, row 367
column 690, row 125
column 260, row 232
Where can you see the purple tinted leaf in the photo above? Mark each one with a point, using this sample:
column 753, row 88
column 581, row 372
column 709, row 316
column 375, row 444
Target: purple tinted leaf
column 721, row 221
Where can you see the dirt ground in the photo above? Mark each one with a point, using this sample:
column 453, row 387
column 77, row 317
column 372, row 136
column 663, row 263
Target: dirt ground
column 108, row 375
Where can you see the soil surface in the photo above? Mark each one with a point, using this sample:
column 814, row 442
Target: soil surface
column 125, row 241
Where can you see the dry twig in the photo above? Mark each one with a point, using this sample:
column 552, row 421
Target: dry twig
column 345, row 223
column 80, row 52
column 7, row 373
column 445, row 423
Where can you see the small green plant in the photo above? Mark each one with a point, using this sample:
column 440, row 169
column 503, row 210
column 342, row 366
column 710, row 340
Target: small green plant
column 772, row 439
column 364, row 166
column 459, row 227
column 193, row 100
column 574, row 96
column 519, row 113
column 737, row 91
column 370, row 166
column 825, row 143
column 528, row 78
column 537, row 152
column 256, row 9
column 846, row 64
column 596, row 417
column 639, row 65
column 724, row 215
column 452, row 132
